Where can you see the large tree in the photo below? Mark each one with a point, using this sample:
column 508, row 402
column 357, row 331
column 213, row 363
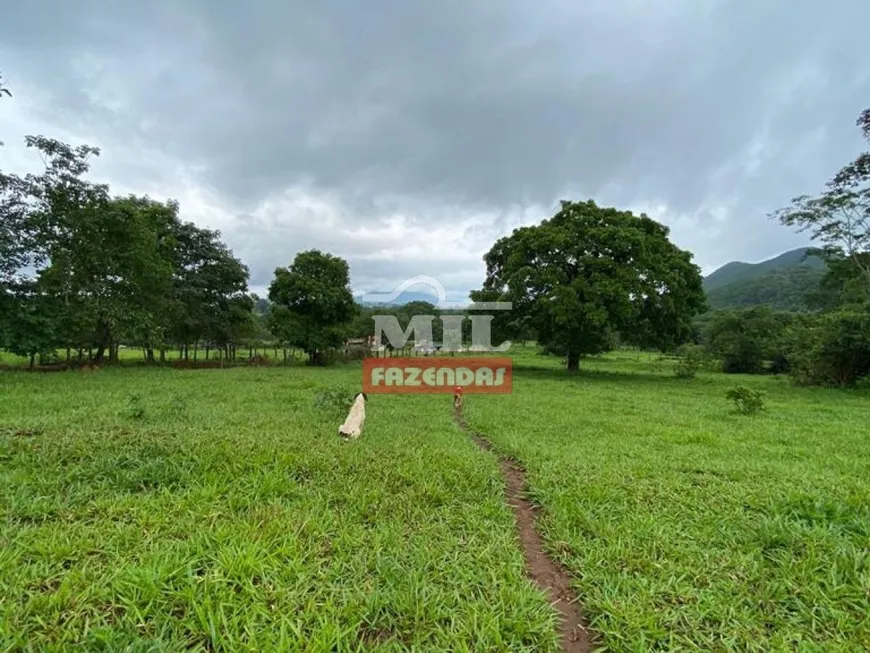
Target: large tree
column 589, row 273
column 839, row 220
column 312, row 303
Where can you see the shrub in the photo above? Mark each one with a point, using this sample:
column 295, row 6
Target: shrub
column 178, row 406
column 133, row 408
column 334, row 399
column 833, row 348
column 744, row 339
column 691, row 359
column 746, row 400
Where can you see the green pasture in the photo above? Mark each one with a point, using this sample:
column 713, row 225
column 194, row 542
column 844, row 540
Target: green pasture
column 161, row 509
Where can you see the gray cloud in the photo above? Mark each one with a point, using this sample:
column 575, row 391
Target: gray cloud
column 469, row 116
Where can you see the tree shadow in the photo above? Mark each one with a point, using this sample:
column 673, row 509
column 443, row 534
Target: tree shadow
column 541, row 372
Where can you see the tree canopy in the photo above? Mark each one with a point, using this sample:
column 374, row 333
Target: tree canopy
column 81, row 269
column 839, row 220
column 312, row 303
column 591, row 272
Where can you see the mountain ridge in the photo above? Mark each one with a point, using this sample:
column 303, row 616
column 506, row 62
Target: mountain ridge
column 781, row 282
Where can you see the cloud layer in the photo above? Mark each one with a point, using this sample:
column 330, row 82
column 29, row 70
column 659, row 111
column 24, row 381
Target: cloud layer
column 408, row 136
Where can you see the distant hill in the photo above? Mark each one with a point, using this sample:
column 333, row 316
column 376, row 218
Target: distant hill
column 406, row 297
column 781, row 282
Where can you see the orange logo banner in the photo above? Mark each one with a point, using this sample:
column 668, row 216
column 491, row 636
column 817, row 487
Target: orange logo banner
column 479, row 374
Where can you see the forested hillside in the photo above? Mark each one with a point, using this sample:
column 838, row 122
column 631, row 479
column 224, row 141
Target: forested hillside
column 783, row 282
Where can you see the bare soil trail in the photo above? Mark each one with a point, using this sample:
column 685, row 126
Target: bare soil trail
column 545, row 572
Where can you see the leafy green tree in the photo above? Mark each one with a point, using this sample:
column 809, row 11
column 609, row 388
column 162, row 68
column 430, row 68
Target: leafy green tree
column 839, row 219
column 38, row 218
column 114, row 268
column 832, row 348
column 66, row 212
column 32, row 329
column 363, row 324
column 312, row 304
column 209, row 289
column 591, row 272
column 745, row 340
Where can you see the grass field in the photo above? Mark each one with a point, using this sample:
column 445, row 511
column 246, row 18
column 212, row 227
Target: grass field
column 687, row 525
column 157, row 509
column 221, row 510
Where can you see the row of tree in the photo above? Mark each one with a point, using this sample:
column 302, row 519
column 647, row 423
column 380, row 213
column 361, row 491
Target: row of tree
column 84, row 271
column 576, row 282
column 830, row 347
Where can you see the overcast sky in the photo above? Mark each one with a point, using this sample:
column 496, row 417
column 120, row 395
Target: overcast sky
column 407, row 136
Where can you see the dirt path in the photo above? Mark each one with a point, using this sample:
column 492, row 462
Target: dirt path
column 545, row 572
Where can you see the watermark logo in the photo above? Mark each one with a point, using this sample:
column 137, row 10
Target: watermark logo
column 483, row 374
column 439, row 375
column 420, row 327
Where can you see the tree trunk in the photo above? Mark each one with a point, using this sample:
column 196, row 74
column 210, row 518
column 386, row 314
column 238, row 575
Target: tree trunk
column 32, row 361
column 195, row 349
column 101, row 346
column 206, row 351
column 573, row 362
column 163, row 354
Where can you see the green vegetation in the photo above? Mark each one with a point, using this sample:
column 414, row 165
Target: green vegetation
column 737, row 271
column 830, row 346
column 160, row 509
column 746, row 400
column 685, row 524
column 682, row 523
column 81, row 270
column 691, row 359
column 589, row 273
column 312, row 303
column 218, row 509
column 784, row 289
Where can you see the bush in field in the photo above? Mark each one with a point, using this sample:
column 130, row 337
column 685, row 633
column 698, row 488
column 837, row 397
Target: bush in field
column 746, row 400
column 832, row 348
column 334, row 399
column 133, row 409
column 691, row 359
column 744, row 340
